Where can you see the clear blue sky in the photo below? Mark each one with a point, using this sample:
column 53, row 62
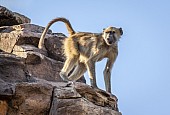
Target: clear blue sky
column 141, row 74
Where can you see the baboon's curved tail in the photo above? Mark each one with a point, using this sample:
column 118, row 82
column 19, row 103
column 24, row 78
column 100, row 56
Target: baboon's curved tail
column 68, row 26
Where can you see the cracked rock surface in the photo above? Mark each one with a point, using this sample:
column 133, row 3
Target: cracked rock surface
column 29, row 77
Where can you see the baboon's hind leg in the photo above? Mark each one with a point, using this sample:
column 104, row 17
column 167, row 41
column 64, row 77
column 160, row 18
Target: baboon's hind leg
column 79, row 70
column 68, row 66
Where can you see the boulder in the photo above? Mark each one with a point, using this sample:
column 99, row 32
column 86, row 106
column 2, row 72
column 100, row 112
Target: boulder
column 29, row 34
column 8, row 18
column 19, row 35
column 81, row 99
column 58, row 98
column 11, row 68
column 30, row 99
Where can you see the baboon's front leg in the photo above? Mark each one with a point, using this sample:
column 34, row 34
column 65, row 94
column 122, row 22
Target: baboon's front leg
column 107, row 74
column 90, row 65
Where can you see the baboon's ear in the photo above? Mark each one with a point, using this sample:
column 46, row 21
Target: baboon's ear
column 121, row 31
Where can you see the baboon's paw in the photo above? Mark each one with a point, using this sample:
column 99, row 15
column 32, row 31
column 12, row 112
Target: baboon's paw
column 64, row 77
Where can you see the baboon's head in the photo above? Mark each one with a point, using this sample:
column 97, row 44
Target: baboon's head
column 112, row 35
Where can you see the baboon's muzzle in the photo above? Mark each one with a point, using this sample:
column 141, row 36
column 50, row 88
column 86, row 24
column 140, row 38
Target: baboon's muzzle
column 111, row 40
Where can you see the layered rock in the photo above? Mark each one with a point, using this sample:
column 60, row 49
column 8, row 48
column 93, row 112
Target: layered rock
column 81, row 99
column 42, row 97
column 29, row 77
column 22, row 40
column 8, row 18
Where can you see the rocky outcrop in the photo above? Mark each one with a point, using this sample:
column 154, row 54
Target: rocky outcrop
column 42, row 97
column 29, row 77
column 8, row 18
column 22, row 40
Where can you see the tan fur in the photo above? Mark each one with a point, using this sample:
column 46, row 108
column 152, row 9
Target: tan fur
column 83, row 49
column 3, row 107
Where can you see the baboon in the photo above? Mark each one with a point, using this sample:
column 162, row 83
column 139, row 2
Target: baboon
column 83, row 49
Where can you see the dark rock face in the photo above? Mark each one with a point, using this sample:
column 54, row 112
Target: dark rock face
column 31, row 99
column 11, row 68
column 8, row 18
column 29, row 77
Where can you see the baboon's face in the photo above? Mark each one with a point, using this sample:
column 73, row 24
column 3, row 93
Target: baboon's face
column 112, row 35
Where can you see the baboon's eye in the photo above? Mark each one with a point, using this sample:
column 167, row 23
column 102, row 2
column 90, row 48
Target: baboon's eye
column 111, row 32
